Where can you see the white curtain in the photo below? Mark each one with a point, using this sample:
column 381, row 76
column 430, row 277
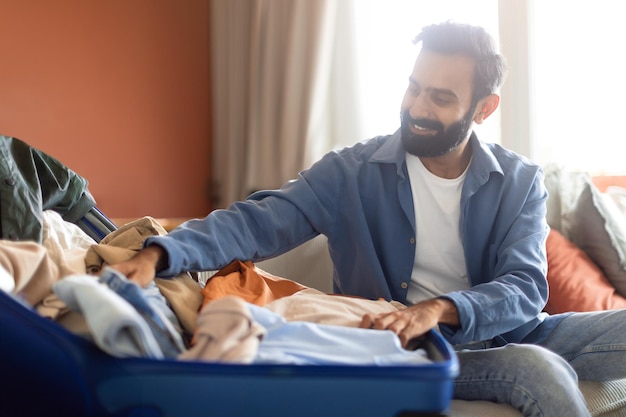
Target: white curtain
column 294, row 79
column 270, row 71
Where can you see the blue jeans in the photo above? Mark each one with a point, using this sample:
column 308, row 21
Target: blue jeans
column 540, row 378
column 152, row 306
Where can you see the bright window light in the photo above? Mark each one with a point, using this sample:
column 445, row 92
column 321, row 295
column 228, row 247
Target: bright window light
column 579, row 84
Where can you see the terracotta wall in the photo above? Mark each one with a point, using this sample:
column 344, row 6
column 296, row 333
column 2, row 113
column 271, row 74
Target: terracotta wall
column 118, row 90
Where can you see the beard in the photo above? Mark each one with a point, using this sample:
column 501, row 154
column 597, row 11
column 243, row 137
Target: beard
column 444, row 141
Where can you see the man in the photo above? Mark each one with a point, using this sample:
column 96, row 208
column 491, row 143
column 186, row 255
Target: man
column 432, row 217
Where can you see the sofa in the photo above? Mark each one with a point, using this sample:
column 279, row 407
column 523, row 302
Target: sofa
column 586, row 251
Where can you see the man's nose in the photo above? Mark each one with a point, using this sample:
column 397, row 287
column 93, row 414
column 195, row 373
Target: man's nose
column 420, row 107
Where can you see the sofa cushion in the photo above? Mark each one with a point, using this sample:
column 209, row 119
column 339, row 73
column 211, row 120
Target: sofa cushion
column 576, row 282
column 604, row 399
column 564, row 188
column 597, row 226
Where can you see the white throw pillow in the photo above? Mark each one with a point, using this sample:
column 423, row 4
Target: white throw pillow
column 597, row 226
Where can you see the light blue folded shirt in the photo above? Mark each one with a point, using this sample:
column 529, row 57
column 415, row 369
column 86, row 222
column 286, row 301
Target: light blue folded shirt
column 305, row 343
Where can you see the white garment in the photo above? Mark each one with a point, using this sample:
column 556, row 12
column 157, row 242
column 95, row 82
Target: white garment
column 65, row 242
column 439, row 265
column 7, row 282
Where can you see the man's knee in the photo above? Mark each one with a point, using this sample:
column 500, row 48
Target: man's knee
column 518, row 363
column 537, row 362
column 516, row 374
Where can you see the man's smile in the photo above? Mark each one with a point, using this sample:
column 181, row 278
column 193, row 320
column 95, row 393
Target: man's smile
column 422, row 130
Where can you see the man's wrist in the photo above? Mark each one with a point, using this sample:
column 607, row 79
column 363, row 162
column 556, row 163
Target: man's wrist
column 449, row 313
column 157, row 256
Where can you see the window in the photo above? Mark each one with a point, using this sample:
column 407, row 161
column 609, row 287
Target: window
column 579, row 79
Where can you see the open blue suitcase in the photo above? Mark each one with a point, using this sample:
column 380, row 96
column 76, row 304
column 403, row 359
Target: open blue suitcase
column 49, row 371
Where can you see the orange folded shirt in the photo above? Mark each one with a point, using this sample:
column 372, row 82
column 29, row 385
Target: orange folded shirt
column 249, row 282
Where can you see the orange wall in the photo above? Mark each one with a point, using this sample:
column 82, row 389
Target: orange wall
column 118, row 90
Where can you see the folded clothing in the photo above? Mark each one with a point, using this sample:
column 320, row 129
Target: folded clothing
column 124, row 319
column 249, row 282
column 225, row 333
column 317, row 307
column 305, row 343
column 232, row 330
column 153, row 308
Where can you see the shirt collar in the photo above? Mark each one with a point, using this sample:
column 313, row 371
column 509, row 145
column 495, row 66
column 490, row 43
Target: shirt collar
column 391, row 152
column 483, row 162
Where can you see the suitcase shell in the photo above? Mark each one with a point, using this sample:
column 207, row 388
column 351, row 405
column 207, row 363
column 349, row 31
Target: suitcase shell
column 47, row 370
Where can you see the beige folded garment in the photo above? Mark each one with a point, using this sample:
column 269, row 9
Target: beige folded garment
column 182, row 292
column 32, row 269
column 315, row 306
column 225, row 333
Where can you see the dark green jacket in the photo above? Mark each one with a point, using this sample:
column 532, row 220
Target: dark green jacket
column 31, row 182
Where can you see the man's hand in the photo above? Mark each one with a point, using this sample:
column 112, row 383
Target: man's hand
column 414, row 321
column 143, row 267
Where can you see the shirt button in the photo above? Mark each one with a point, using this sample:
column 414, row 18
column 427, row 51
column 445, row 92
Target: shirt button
column 412, row 241
column 404, row 285
column 10, row 182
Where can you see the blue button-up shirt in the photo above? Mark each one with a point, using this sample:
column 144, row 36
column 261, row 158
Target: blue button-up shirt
column 361, row 199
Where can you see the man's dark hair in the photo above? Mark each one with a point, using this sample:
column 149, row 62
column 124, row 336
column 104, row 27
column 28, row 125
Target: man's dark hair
column 474, row 42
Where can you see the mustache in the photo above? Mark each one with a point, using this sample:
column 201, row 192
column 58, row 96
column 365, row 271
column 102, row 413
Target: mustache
column 426, row 123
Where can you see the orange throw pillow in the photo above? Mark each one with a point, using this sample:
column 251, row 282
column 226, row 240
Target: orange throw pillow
column 576, row 283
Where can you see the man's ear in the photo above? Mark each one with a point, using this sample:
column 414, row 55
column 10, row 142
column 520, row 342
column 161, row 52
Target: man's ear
column 485, row 107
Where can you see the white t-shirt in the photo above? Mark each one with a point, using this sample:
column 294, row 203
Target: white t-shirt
column 439, row 265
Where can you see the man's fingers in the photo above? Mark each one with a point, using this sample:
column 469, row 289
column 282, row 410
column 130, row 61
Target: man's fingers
column 367, row 321
column 398, row 322
column 389, row 321
column 413, row 321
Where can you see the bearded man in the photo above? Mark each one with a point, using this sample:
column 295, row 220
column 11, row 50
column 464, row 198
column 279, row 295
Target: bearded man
column 432, row 217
